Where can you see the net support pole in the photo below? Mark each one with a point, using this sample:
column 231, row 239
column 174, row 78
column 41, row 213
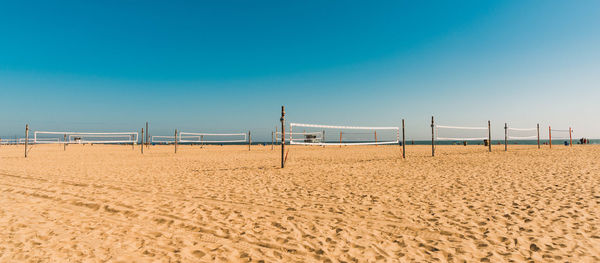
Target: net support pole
column 282, row 120
column 432, row 137
column 489, row 136
column 570, row 137
column 272, row 140
column 376, row 138
column 403, row 141
column 505, row 137
column 538, row 135
column 550, row 136
column 142, row 146
column 132, row 142
column 65, row 143
column 249, row 140
column 340, row 139
column 26, row 138
column 175, row 141
column 323, row 139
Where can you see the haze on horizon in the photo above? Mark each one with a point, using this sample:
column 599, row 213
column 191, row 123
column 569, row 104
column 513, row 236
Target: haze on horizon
column 230, row 65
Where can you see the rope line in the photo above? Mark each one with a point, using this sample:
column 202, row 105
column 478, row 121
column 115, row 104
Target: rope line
column 461, row 128
column 342, row 127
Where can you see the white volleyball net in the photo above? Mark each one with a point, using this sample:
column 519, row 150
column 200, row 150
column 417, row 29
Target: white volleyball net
column 161, row 139
column 45, row 137
column 516, row 134
column 211, row 138
column 458, row 133
column 316, row 134
column 557, row 134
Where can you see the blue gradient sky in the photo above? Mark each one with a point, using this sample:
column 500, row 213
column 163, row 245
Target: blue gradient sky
column 230, row 65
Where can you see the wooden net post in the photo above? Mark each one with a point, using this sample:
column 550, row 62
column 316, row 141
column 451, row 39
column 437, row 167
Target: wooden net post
column 505, row 137
column 142, row 145
column 570, row 137
column 403, row 141
column 272, row 140
column 26, row 138
column 65, row 142
column 282, row 119
column 432, row 137
column 249, row 140
column 375, row 138
column 550, row 136
column 489, row 136
column 538, row 135
column 340, row 139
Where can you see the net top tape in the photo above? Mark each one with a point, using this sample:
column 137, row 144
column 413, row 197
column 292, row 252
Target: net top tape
column 522, row 129
column 460, row 139
column 461, row 128
column 212, row 134
column 87, row 133
column 342, row 127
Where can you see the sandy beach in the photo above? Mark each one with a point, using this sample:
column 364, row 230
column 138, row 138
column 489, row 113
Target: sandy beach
column 333, row 204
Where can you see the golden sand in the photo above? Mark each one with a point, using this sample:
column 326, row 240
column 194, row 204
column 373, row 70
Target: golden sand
column 348, row 204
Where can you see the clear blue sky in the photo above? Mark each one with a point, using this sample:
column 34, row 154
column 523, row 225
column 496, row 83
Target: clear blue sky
column 230, row 65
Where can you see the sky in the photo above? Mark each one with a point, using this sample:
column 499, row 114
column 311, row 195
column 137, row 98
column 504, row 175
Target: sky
column 229, row 66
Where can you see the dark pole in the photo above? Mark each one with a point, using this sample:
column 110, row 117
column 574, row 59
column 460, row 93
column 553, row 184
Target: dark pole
column 489, row 136
column 175, row 140
column 65, row 143
column 143, row 140
column 538, row 133
column 505, row 137
column 249, row 140
column 432, row 137
column 26, row 138
column 403, row 141
column 282, row 119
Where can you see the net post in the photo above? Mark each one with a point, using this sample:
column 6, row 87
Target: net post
column 570, row 137
column 550, row 136
column 340, row 139
column 323, row 139
column 65, row 142
column 175, row 141
column 505, row 137
column 142, row 146
column 403, row 141
column 26, row 138
column 282, row 119
column 432, row 137
column 272, row 140
column 249, row 140
column 376, row 138
column 538, row 135
column 489, row 136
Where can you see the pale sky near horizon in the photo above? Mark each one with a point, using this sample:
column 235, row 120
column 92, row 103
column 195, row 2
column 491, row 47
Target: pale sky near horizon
column 228, row 66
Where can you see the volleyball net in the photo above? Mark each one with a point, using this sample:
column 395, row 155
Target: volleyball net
column 558, row 134
column 316, row 134
column 515, row 134
column 46, row 137
column 211, row 138
column 460, row 133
